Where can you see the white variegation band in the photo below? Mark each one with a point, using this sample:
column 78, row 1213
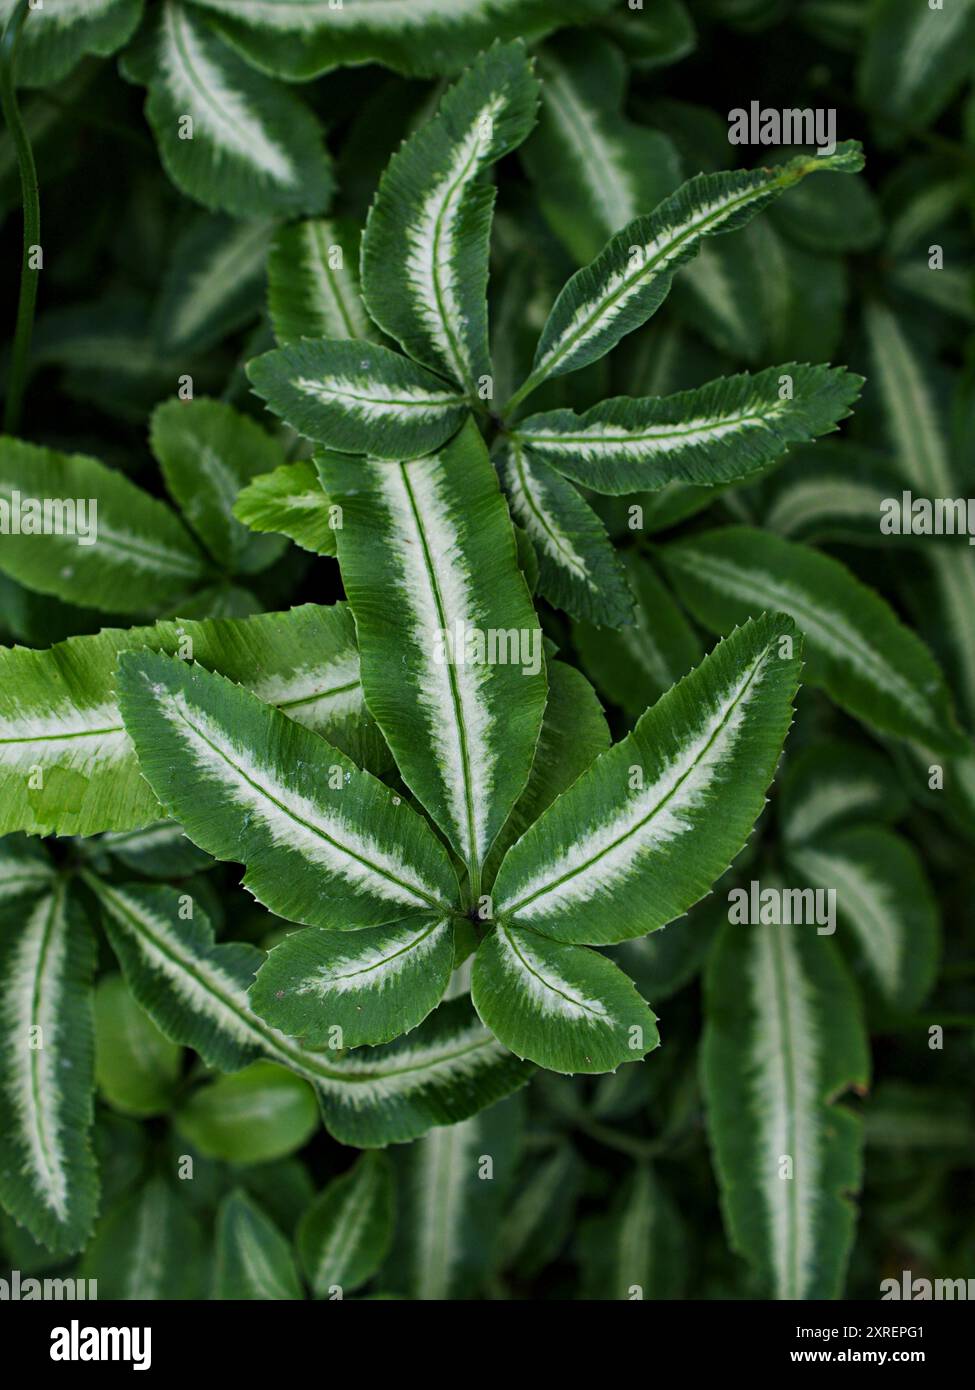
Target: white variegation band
column 652, row 818
column 321, row 833
column 784, row 1066
column 376, row 402
column 199, row 85
column 437, row 589
column 32, row 999
column 432, row 263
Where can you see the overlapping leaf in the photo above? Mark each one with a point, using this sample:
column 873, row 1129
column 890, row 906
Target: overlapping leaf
column 67, row 765
column 324, row 842
column 566, row 1008
column 368, row 986
column 723, row 432
column 452, row 667
column 578, row 568
column 89, row 535
column 857, row 648
column 227, row 136
column 445, row 1071
column 636, row 841
column 631, row 276
column 425, row 248
column 48, row 1176
column 293, row 502
column 425, row 39
column 783, row 1040
column 358, row 397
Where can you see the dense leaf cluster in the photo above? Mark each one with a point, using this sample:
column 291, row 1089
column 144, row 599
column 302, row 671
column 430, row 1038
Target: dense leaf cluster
column 486, row 697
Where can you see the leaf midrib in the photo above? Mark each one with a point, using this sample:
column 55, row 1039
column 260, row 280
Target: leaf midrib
column 307, row 825
column 463, row 737
column 547, row 363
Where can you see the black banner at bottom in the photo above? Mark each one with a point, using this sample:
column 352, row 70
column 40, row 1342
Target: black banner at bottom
column 168, row 1339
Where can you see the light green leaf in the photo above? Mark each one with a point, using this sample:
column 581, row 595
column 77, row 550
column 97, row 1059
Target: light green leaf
column 323, row 842
column 636, row 1250
column 637, row 840
column 136, row 1066
column 578, row 568
column 149, row 1246
column 564, row 1007
column 640, row 662
column 208, row 451
column 56, row 36
column 253, row 1259
column 256, row 1115
column 594, row 170
column 425, row 38
column 67, row 765
column 74, row 528
column 722, row 432
column 884, row 898
column 451, row 648
column 313, row 283
column 914, row 60
column 425, row 256
column 212, row 284
column 358, row 397
column 293, row 502
column 631, row 276
column 343, row 989
column 48, row 1176
column 227, row 136
column 445, row 1071
column 450, row 1205
column 857, row 648
column 783, row 1039
column 345, row 1234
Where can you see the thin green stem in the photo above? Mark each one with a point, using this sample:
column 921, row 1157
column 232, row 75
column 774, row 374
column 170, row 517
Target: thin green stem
column 32, row 217
column 524, row 391
column 640, row 1149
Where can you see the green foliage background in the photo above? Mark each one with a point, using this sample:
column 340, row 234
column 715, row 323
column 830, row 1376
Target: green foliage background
column 156, row 267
